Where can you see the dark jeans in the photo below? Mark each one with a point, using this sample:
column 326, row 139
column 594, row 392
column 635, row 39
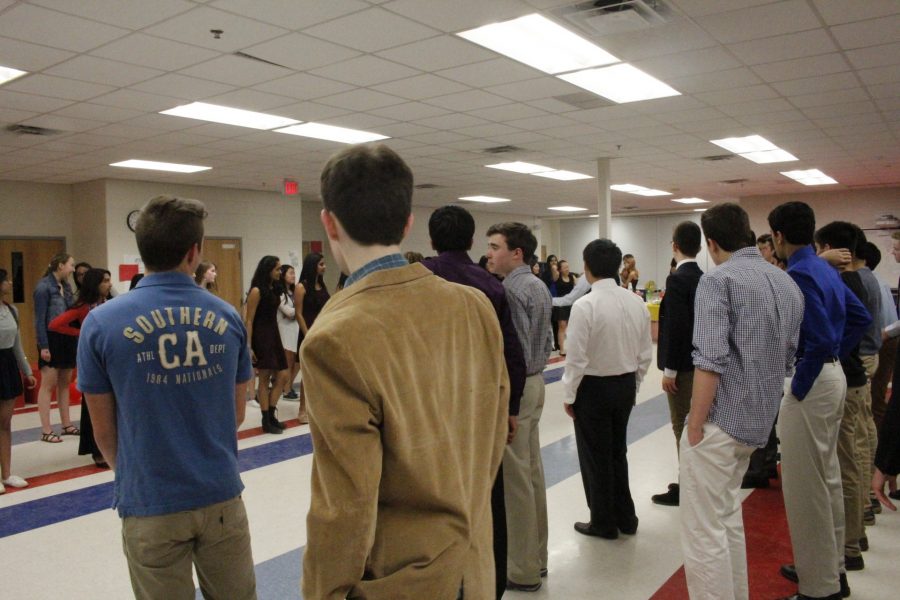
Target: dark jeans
column 498, row 511
column 602, row 407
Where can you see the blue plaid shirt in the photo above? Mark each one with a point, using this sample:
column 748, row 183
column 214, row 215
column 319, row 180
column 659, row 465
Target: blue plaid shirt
column 747, row 319
column 391, row 261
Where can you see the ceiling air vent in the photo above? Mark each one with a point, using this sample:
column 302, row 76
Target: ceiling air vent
column 428, row 186
column 31, row 130
column 717, row 157
column 629, row 207
column 607, row 17
column 502, row 149
column 734, row 181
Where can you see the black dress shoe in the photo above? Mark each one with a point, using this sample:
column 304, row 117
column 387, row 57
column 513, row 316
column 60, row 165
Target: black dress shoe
column 544, row 572
column 586, row 529
column 629, row 527
column 799, row 596
column 854, row 563
column 670, row 498
column 789, row 572
column 754, row 483
column 864, row 543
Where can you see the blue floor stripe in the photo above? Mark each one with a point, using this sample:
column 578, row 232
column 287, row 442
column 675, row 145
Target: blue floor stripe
column 279, row 578
column 33, row 434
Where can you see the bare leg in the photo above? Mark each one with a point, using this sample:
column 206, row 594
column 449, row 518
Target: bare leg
column 49, row 377
column 291, row 362
column 295, row 370
column 278, row 385
column 563, row 325
column 64, row 377
column 6, row 413
column 262, row 390
column 302, row 416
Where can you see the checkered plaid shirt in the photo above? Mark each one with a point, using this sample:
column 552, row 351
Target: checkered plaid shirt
column 390, row 261
column 529, row 303
column 747, row 319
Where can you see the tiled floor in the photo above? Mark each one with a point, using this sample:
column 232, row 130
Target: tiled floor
column 58, row 539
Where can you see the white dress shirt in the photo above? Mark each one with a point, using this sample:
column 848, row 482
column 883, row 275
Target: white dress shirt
column 608, row 334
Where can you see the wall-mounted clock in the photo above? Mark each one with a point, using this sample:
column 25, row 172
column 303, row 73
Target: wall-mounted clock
column 132, row 219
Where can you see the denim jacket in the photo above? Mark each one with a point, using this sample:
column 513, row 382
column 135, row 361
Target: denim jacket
column 49, row 303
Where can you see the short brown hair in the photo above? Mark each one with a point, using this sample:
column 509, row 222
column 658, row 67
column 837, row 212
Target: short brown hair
column 369, row 190
column 57, row 260
column 517, row 236
column 167, row 228
column 727, row 224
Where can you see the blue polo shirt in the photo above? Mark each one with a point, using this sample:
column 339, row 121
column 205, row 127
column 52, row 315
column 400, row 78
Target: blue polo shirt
column 171, row 353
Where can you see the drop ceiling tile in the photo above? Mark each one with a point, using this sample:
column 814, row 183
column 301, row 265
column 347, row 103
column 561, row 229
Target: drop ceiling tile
column 760, row 21
column 837, row 110
column 148, row 51
column 797, row 68
column 30, row 102
column 437, row 137
column 97, row 112
column 673, row 66
column 720, row 80
column 250, row 99
column 124, row 130
column 48, row 85
column 235, row 70
column 181, row 86
column 303, row 86
column 888, row 104
column 409, row 111
column 364, row 121
column 194, row 27
column 534, row 89
column 9, row 115
column 361, row 100
column 755, row 107
column 507, row 112
column 863, row 34
column 752, row 92
column 452, row 121
column 365, row 71
column 291, row 13
column 300, row 52
column 101, row 70
column 405, row 130
column 134, row 99
column 133, row 15
column 490, row 72
column 876, row 56
column 809, row 85
column 29, row 57
column 32, row 23
column 552, row 105
column 470, row 100
column 458, row 15
column 887, row 74
column 547, row 122
column 671, row 38
column 62, row 123
column 437, row 53
column 784, row 47
column 868, row 118
column 421, row 87
column 832, row 97
column 835, row 12
column 371, row 30
column 772, row 118
column 311, row 111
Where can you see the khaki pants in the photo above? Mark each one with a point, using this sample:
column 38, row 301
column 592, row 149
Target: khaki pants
column 680, row 404
column 853, row 484
column 526, row 492
column 215, row 538
column 811, row 480
column 712, row 524
column 867, row 438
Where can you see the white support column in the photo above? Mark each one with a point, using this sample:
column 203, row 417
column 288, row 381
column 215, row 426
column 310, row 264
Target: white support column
column 604, row 201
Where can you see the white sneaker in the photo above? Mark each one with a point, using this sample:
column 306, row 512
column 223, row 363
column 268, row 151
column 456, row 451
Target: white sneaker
column 2, row 489
column 15, row 481
column 253, row 403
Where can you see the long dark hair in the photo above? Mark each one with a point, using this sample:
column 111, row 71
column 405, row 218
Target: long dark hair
column 309, row 275
column 90, row 287
column 262, row 277
column 282, row 288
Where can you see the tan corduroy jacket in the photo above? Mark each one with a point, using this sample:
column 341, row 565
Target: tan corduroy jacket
column 407, row 392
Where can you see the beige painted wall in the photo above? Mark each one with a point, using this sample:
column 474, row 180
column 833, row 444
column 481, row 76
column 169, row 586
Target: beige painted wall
column 36, row 210
column 89, row 223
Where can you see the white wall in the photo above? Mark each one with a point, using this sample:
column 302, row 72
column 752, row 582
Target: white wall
column 266, row 222
column 862, row 207
column 647, row 237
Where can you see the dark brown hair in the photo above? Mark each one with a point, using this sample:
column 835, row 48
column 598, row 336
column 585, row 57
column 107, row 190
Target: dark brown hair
column 166, row 229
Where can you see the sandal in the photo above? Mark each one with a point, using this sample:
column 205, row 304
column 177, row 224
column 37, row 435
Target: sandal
column 70, row 430
column 51, row 438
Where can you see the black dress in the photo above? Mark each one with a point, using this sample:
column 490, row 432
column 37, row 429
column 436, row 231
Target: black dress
column 563, row 288
column 266, row 341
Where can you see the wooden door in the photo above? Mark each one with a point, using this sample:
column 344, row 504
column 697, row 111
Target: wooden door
column 26, row 261
column 225, row 253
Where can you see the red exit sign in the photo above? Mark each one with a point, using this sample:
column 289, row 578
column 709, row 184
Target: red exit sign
column 291, row 188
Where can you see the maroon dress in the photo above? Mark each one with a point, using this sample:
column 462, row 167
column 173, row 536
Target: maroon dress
column 266, row 341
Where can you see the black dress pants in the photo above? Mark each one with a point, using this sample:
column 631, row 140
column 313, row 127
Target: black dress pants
column 498, row 512
column 602, row 407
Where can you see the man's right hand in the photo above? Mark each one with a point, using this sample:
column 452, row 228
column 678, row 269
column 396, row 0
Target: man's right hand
column 45, row 355
column 668, row 385
column 513, row 428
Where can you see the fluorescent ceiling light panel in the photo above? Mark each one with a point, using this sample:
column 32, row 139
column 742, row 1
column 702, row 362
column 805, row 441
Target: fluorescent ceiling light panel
column 810, row 177
column 750, row 143
column 566, row 208
column 159, row 166
column 484, row 199
column 620, row 83
column 563, row 175
column 638, row 190
column 540, row 43
column 521, row 167
column 699, row 210
column 769, row 156
column 229, row 116
column 332, row 133
column 690, row 200
column 8, row 74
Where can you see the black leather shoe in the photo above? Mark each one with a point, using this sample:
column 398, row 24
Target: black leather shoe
column 522, row 587
column 754, row 483
column 789, row 572
column 629, row 527
column 670, row 498
column 798, row 596
column 854, row 563
column 586, row 529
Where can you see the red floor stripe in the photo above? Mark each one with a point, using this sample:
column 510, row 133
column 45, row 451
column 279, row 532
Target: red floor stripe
column 768, row 547
column 75, row 472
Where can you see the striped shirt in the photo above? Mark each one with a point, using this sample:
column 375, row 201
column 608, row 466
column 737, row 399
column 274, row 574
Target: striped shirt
column 747, row 317
column 389, row 261
column 529, row 302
